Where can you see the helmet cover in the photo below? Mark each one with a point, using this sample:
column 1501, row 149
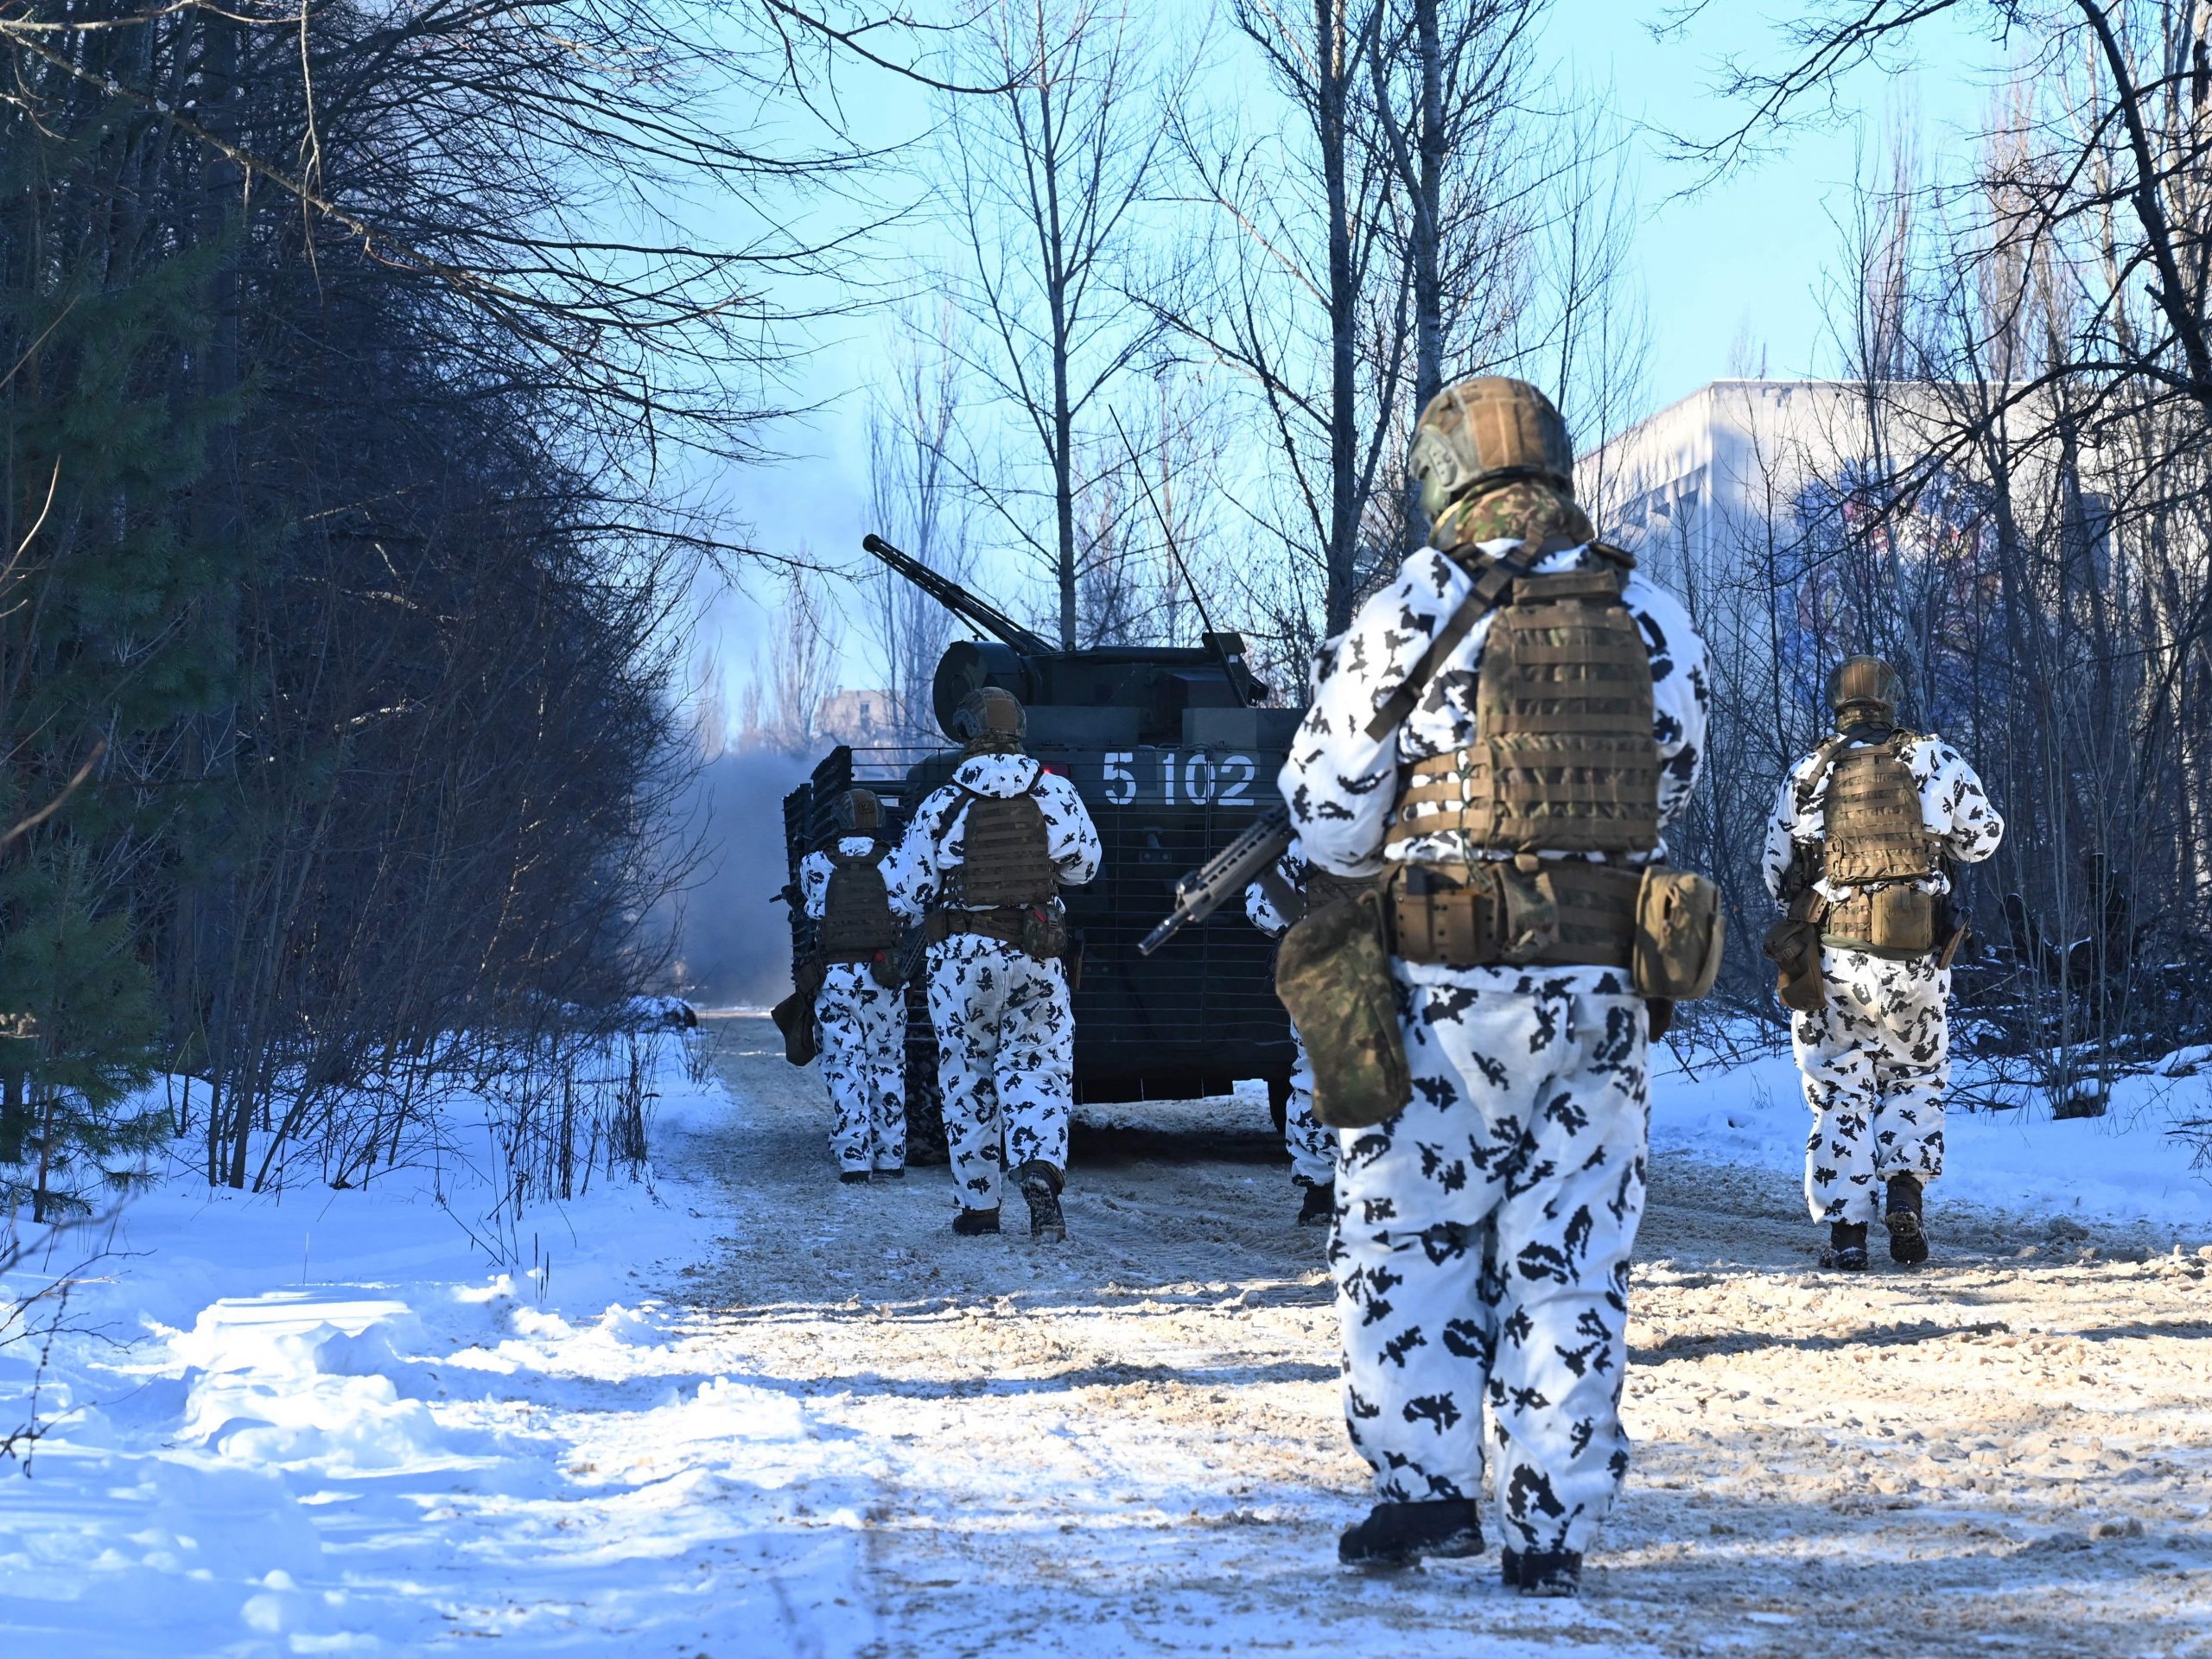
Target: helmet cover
column 859, row 811
column 1490, row 429
column 992, row 718
column 1863, row 682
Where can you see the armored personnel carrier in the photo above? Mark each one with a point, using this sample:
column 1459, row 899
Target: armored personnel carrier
column 1173, row 754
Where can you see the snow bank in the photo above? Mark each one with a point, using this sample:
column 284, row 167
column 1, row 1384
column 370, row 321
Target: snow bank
column 326, row 1423
column 2123, row 1168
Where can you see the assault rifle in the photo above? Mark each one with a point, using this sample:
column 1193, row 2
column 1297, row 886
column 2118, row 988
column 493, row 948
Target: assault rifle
column 1224, row 876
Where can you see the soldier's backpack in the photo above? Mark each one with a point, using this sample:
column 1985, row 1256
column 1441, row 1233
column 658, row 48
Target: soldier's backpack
column 1006, row 859
column 1877, row 844
column 1563, row 760
column 856, row 920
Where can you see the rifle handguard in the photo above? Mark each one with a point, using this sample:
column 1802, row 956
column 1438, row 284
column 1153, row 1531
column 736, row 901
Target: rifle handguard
column 1203, row 891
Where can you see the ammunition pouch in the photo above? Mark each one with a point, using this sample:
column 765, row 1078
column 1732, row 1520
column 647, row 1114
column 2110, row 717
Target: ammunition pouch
column 1332, row 973
column 1559, row 914
column 1897, row 923
column 1040, row 931
column 1662, row 925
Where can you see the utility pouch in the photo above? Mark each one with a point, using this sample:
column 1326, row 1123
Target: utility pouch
column 1333, row 975
column 1679, row 935
column 1455, row 918
column 885, row 969
column 794, row 1015
column 1529, row 911
column 1793, row 945
column 1044, row 932
column 1899, row 922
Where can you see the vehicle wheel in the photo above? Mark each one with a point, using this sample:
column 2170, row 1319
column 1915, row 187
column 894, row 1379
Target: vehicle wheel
column 925, row 1124
column 925, row 1100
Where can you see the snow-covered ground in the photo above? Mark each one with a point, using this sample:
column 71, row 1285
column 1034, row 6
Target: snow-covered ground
column 331, row 1423
column 2125, row 1168
column 746, row 1412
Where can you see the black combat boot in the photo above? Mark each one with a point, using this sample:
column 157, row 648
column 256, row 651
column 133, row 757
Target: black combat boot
column 1040, row 1186
column 1544, row 1572
column 1318, row 1207
column 853, row 1177
column 970, row 1222
column 1846, row 1250
column 1908, row 1235
column 1395, row 1535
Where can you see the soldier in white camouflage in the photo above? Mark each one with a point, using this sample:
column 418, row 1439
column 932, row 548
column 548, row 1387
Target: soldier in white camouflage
column 1868, row 831
column 983, row 859
column 1505, row 731
column 860, row 1011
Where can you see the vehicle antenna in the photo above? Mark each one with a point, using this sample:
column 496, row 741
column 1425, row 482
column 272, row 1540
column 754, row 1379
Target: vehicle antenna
column 1212, row 637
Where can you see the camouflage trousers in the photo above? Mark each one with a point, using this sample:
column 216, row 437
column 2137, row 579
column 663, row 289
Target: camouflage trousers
column 1876, row 1061
column 1482, row 1247
column 864, row 1062
column 1313, row 1148
column 1006, row 1046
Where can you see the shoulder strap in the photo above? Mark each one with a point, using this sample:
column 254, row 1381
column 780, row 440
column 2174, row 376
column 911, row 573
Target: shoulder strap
column 1490, row 590
column 1491, row 585
column 961, row 801
column 1825, row 757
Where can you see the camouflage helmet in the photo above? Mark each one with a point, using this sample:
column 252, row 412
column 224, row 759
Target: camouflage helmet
column 858, row 809
column 1490, row 429
column 1865, row 682
column 988, row 715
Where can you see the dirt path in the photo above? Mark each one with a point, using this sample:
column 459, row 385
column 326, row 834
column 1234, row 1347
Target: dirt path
column 1132, row 1445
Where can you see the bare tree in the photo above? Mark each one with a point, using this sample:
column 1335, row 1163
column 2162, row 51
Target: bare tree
column 2021, row 520
column 1049, row 179
column 799, row 670
column 918, row 502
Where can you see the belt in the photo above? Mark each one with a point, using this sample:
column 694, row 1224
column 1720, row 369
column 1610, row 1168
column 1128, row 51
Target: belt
column 1004, row 924
column 1562, row 913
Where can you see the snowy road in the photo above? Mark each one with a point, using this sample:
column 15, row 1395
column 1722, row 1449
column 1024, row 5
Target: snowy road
column 1131, row 1445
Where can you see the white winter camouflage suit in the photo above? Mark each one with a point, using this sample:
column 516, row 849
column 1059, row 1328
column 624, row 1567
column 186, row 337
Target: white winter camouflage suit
column 1005, row 1033
column 863, row 1035
column 1313, row 1148
column 1484, row 1234
column 1877, row 1060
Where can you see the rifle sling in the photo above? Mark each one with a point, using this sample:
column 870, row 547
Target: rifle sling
column 1486, row 595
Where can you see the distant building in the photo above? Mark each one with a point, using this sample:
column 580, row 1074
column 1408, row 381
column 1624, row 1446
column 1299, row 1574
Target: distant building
column 1722, row 470
column 864, row 719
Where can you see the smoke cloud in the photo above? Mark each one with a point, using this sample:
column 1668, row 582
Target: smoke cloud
column 733, row 944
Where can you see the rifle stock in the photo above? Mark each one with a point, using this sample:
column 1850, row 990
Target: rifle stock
column 1203, row 891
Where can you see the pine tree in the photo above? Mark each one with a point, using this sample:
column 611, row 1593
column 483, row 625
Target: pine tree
column 89, row 1027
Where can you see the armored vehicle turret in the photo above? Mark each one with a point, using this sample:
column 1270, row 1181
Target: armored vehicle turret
column 1173, row 751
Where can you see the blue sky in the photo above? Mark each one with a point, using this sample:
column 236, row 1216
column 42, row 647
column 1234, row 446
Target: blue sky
column 1744, row 259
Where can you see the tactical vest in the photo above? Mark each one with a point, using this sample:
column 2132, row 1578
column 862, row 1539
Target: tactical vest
column 856, row 921
column 1874, row 829
column 1564, row 759
column 1006, row 857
